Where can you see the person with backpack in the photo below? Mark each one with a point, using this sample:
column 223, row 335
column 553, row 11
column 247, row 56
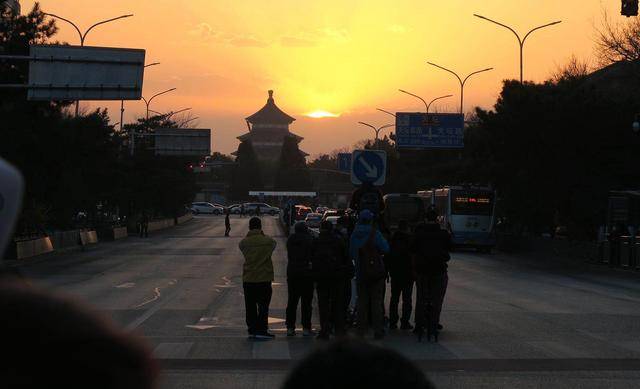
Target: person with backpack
column 400, row 271
column 299, row 279
column 331, row 267
column 366, row 248
column 431, row 246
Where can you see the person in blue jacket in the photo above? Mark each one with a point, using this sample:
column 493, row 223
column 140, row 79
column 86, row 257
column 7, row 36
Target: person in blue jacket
column 370, row 290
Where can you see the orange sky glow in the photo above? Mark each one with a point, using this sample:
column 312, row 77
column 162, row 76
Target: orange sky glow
column 331, row 62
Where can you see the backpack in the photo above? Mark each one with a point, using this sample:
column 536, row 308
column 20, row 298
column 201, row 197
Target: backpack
column 324, row 262
column 371, row 265
column 370, row 201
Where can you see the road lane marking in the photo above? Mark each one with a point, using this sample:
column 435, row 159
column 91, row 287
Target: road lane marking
column 126, row 285
column 152, row 299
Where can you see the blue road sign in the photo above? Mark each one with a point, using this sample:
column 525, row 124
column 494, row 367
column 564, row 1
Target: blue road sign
column 415, row 130
column 344, row 162
column 369, row 166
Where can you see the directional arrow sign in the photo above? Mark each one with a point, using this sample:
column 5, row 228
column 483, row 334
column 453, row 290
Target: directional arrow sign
column 368, row 166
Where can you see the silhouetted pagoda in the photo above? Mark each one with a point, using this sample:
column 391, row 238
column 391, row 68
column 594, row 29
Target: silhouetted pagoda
column 268, row 129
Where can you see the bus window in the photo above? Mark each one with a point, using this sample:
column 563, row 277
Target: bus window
column 471, row 203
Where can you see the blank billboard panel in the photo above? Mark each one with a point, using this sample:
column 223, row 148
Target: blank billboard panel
column 182, row 142
column 85, row 73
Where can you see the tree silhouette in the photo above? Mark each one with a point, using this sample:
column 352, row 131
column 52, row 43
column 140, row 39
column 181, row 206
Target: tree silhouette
column 247, row 175
column 292, row 173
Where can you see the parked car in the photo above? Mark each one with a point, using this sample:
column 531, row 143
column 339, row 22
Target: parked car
column 265, row 209
column 313, row 220
column 234, row 209
column 202, row 207
column 302, row 211
column 330, row 213
column 333, row 220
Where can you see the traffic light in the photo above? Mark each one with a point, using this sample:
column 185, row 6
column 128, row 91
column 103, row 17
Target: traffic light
column 629, row 8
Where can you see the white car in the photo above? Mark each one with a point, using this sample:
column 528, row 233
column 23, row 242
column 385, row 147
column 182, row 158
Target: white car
column 213, row 209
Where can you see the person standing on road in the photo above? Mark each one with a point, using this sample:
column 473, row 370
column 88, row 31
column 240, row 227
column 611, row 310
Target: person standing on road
column 431, row 246
column 227, row 222
column 400, row 271
column 365, row 247
column 331, row 267
column 242, row 210
column 299, row 279
column 144, row 225
column 257, row 276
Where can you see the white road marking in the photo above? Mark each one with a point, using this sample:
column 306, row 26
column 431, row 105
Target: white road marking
column 126, row 285
column 152, row 299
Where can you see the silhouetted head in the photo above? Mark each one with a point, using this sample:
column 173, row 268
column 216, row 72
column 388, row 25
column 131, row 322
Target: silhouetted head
column 55, row 343
column 432, row 216
column 326, row 226
column 301, row 228
column 403, row 225
column 352, row 364
column 255, row 223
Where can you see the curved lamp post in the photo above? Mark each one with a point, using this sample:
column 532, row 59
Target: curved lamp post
column 520, row 41
column 462, row 81
column 377, row 130
column 83, row 36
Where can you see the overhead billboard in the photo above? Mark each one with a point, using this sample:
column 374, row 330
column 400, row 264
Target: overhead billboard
column 59, row 72
column 415, row 130
column 182, row 142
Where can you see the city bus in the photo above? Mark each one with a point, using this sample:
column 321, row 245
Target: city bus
column 467, row 212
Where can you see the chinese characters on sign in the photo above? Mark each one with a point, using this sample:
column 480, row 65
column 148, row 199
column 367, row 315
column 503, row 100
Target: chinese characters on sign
column 437, row 131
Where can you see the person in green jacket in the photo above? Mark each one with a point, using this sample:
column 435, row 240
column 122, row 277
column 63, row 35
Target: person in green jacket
column 257, row 276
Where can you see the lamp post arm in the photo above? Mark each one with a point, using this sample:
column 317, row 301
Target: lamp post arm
column 103, row 22
column 436, row 99
column 474, row 73
column 68, row 21
column 538, row 28
column 159, row 94
column 417, row 97
column 447, row 70
column 387, row 112
column 521, row 41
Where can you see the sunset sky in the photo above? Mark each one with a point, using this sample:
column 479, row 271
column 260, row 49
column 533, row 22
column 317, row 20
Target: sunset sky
column 344, row 57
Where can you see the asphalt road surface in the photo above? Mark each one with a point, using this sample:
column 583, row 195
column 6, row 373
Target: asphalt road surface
column 509, row 323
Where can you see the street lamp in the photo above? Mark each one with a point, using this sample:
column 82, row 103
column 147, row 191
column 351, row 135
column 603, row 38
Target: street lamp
column 148, row 102
column 462, row 82
column 520, row 41
column 377, row 130
column 427, row 105
column 122, row 101
column 83, row 36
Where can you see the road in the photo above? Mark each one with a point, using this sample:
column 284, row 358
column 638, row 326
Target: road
column 508, row 323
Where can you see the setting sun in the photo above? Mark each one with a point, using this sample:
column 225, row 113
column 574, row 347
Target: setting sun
column 322, row 114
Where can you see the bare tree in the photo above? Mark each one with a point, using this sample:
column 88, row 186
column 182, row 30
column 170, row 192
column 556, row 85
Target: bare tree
column 617, row 42
column 573, row 69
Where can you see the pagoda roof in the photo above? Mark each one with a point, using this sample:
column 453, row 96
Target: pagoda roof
column 270, row 114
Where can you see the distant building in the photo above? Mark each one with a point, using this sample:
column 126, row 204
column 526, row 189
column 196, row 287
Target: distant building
column 7, row 6
column 268, row 129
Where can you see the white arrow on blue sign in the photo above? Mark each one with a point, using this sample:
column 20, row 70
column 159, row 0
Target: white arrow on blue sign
column 369, row 166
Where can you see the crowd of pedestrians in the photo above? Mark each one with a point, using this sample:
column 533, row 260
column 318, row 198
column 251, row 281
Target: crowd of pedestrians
column 348, row 267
